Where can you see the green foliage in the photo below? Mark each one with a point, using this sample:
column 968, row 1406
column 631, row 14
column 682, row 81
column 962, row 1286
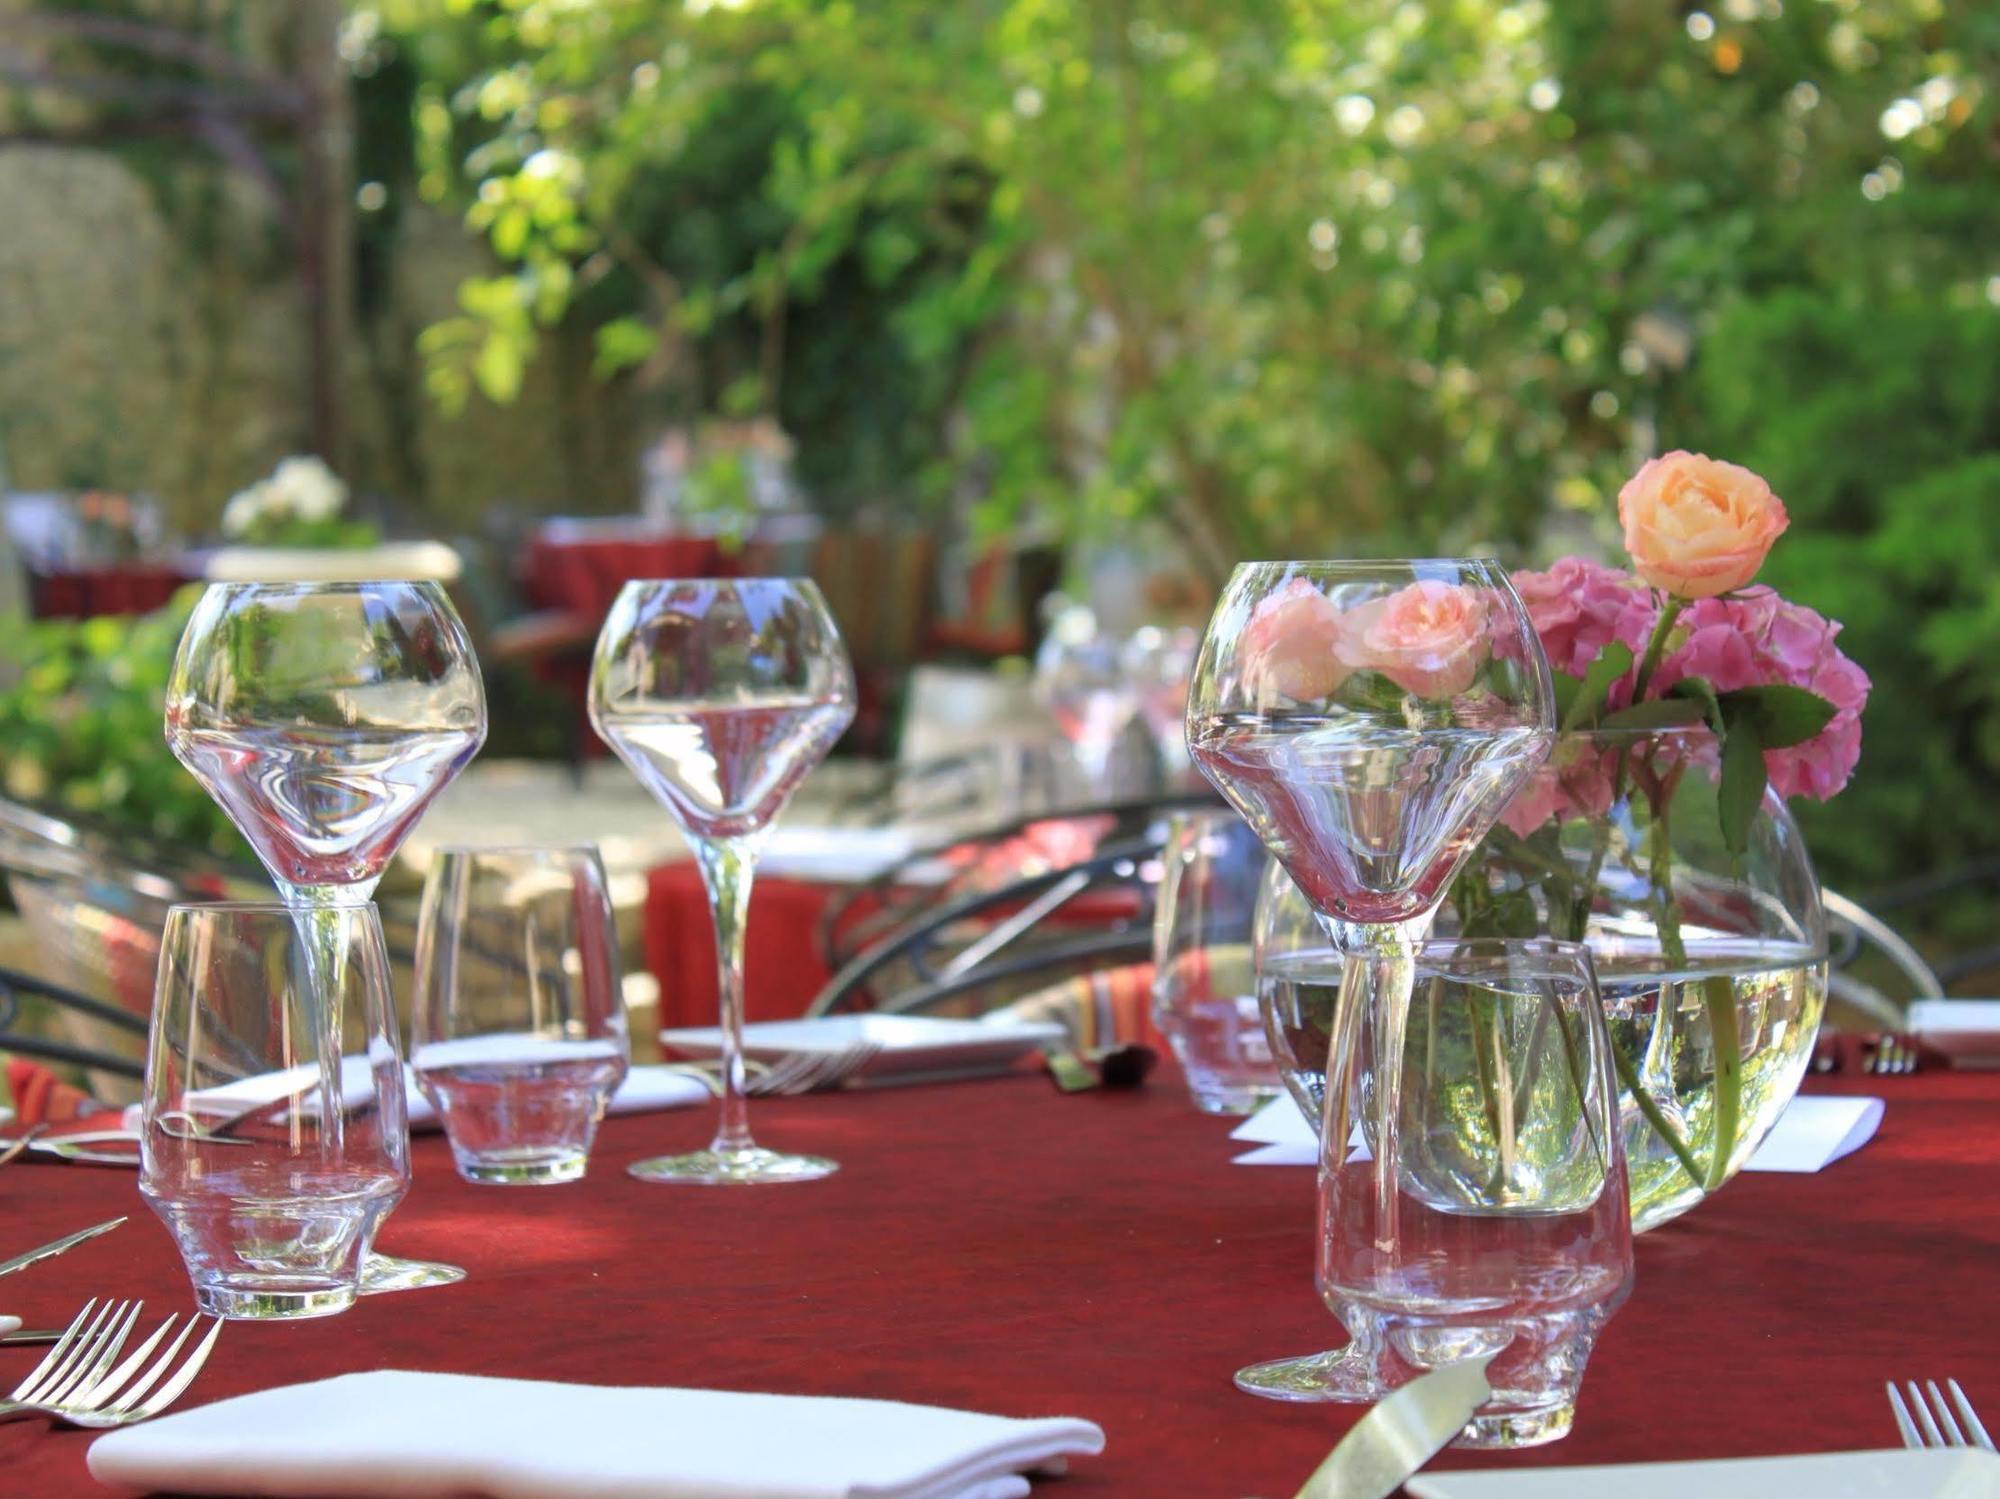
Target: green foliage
column 83, row 726
column 1303, row 278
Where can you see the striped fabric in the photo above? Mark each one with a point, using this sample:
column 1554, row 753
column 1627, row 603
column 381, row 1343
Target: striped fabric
column 38, row 1096
column 1109, row 1008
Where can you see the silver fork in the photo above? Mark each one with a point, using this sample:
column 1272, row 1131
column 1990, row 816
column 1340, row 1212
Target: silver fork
column 1935, row 1426
column 76, row 1382
column 805, row 1072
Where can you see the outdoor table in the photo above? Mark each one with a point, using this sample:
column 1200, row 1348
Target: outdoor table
column 999, row 1246
column 114, row 588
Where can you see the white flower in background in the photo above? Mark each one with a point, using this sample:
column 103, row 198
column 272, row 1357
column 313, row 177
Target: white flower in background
column 308, row 489
column 301, row 489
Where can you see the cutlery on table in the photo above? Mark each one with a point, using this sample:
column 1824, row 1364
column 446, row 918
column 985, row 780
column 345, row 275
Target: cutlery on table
column 1935, row 1425
column 794, row 1073
column 1400, row 1434
column 16, row 1146
column 77, row 1383
column 1893, row 1056
column 57, row 1246
column 98, row 1147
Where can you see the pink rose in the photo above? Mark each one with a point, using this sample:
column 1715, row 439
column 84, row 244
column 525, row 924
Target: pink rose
column 1290, row 644
column 1760, row 639
column 1429, row 638
column 1697, row 527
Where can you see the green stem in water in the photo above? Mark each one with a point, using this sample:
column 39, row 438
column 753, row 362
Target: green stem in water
column 1628, row 1079
column 1718, row 998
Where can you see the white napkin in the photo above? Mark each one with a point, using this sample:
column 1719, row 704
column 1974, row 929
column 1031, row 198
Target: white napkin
column 9, row 1324
column 645, row 1090
column 1810, row 1135
column 393, row 1434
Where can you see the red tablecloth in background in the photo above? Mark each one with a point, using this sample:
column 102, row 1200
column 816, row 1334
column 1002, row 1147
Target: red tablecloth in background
column 782, row 967
column 782, row 970
column 583, row 576
column 999, row 1246
column 122, row 588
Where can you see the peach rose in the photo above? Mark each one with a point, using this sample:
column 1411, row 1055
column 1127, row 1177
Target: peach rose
column 1289, row 643
column 1428, row 638
column 1697, row 527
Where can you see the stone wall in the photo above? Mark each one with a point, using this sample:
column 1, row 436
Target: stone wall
column 163, row 354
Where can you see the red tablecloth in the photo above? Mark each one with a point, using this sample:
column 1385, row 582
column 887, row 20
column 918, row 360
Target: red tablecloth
column 999, row 1246
column 582, row 576
column 123, row 588
column 782, row 970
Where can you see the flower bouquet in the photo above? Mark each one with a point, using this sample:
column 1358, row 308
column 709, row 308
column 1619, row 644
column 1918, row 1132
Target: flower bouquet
column 1692, row 705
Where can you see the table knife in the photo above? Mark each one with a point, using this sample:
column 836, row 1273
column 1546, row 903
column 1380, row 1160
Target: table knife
column 68, row 1241
column 1402, row 1433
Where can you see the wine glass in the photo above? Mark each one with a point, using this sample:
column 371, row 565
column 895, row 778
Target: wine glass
column 1159, row 661
column 1082, row 678
column 1369, row 720
column 324, row 718
column 721, row 696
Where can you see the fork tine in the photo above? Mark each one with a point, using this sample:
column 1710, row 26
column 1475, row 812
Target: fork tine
column 77, row 1358
column 128, row 1398
column 1972, row 1421
column 171, row 1390
column 101, row 1359
column 54, row 1354
column 1932, row 1436
column 102, row 1390
column 1953, row 1435
column 1911, row 1437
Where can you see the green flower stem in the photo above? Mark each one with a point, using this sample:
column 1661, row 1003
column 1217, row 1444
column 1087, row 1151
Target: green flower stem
column 1629, row 1079
column 1719, row 1000
column 1656, row 647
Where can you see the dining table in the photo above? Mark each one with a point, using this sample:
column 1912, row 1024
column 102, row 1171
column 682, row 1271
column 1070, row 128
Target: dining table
column 1000, row 1246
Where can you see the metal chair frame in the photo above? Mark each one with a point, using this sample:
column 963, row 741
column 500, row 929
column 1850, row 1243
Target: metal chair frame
column 990, row 958
column 17, row 987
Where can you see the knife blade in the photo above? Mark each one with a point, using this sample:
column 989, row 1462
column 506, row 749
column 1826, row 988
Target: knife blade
column 58, row 1246
column 30, row 1335
column 1401, row 1433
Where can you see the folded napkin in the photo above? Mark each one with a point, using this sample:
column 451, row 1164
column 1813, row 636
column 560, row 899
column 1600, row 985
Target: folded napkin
column 1812, row 1133
column 393, row 1434
column 645, row 1090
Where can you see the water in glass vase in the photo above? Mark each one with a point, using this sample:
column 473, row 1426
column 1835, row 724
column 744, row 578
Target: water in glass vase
column 1659, row 1019
column 729, row 770
column 1370, row 818
column 322, row 806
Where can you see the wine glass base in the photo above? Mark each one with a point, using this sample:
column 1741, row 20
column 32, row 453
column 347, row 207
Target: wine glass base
column 1531, row 1428
column 271, row 1304
column 384, row 1272
column 1344, row 1375
column 731, row 1168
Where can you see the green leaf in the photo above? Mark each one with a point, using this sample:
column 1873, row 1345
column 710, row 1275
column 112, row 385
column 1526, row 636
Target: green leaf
column 622, row 344
column 1567, row 688
column 1743, row 778
column 1702, row 691
column 1612, row 663
column 1656, row 713
column 1784, row 715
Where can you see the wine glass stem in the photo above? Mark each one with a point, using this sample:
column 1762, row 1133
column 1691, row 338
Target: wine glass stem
column 727, row 865
column 1381, row 972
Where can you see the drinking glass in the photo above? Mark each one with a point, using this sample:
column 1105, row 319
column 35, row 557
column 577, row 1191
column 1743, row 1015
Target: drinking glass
column 721, row 696
column 1081, row 677
column 1159, row 662
column 517, row 1031
column 1204, row 990
column 273, row 1139
column 1369, row 720
column 324, row 718
column 1512, row 1237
